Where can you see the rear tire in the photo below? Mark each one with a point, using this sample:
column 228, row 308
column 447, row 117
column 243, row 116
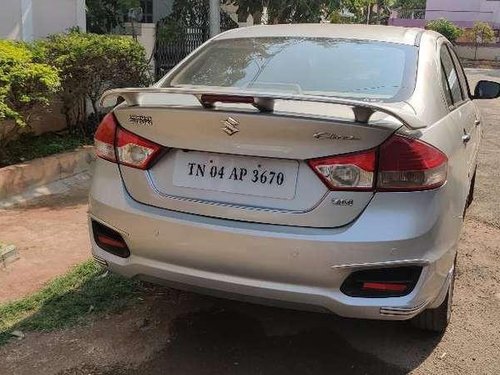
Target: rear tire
column 437, row 320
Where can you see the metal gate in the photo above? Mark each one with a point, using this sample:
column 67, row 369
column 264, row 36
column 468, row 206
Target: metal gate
column 170, row 52
column 173, row 43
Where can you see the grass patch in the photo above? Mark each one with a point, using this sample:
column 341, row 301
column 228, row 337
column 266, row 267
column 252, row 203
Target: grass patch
column 68, row 300
column 2, row 246
column 29, row 147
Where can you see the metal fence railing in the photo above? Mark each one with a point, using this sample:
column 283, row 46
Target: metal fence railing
column 411, row 14
column 169, row 52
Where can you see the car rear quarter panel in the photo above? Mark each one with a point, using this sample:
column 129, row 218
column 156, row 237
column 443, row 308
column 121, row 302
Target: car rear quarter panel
column 445, row 128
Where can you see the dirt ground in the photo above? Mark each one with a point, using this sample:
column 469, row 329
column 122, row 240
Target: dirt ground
column 178, row 333
column 50, row 236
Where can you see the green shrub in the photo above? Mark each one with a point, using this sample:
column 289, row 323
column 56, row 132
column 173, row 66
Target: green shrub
column 90, row 64
column 24, row 84
column 481, row 33
column 29, row 146
column 446, row 28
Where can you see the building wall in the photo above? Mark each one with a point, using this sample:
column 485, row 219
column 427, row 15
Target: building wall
column 52, row 16
column 488, row 52
column 35, row 19
column 407, row 22
column 465, row 12
column 11, row 26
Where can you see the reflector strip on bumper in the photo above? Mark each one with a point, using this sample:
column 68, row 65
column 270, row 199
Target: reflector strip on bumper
column 403, row 311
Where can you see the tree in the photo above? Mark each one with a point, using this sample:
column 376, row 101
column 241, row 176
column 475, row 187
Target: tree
column 410, row 4
column 246, row 8
column 364, row 10
column 285, row 11
column 446, row 28
column 195, row 13
column 299, row 11
column 88, row 65
column 103, row 16
column 189, row 14
column 25, row 85
column 481, row 33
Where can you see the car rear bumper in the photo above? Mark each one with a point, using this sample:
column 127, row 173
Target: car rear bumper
column 303, row 267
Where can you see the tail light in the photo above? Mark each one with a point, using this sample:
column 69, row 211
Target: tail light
column 104, row 138
column 134, row 151
column 118, row 145
column 347, row 172
column 409, row 164
column 400, row 164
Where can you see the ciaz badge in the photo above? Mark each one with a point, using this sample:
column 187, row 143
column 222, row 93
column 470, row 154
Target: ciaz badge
column 141, row 120
column 343, row 202
column 336, row 137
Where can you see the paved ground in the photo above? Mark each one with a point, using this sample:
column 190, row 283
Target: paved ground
column 182, row 333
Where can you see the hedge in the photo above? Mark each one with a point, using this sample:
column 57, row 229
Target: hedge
column 24, row 84
column 90, row 64
column 445, row 28
column 75, row 67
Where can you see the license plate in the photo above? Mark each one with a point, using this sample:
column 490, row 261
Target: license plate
column 262, row 177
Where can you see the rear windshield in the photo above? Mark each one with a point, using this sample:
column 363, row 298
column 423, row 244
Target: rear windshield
column 315, row 66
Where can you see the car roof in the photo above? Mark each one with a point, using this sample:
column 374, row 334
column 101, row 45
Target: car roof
column 392, row 34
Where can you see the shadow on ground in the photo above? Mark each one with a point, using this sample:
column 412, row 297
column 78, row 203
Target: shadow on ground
column 238, row 338
column 232, row 342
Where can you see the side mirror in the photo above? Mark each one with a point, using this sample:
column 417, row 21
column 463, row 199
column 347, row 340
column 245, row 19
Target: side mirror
column 487, row 90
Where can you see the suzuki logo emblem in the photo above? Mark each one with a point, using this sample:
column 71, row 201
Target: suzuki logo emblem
column 230, row 126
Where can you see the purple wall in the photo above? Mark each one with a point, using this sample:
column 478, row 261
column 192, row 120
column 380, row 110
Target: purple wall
column 465, row 13
column 407, row 22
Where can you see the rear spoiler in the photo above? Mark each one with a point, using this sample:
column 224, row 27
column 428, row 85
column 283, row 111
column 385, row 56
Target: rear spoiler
column 262, row 101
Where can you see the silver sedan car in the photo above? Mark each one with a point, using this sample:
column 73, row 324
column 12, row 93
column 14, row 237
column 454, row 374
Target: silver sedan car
column 324, row 167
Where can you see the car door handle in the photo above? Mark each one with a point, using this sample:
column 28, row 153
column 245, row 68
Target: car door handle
column 466, row 138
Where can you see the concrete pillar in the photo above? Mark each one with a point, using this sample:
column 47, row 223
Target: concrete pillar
column 214, row 17
column 80, row 16
column 27, row 20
